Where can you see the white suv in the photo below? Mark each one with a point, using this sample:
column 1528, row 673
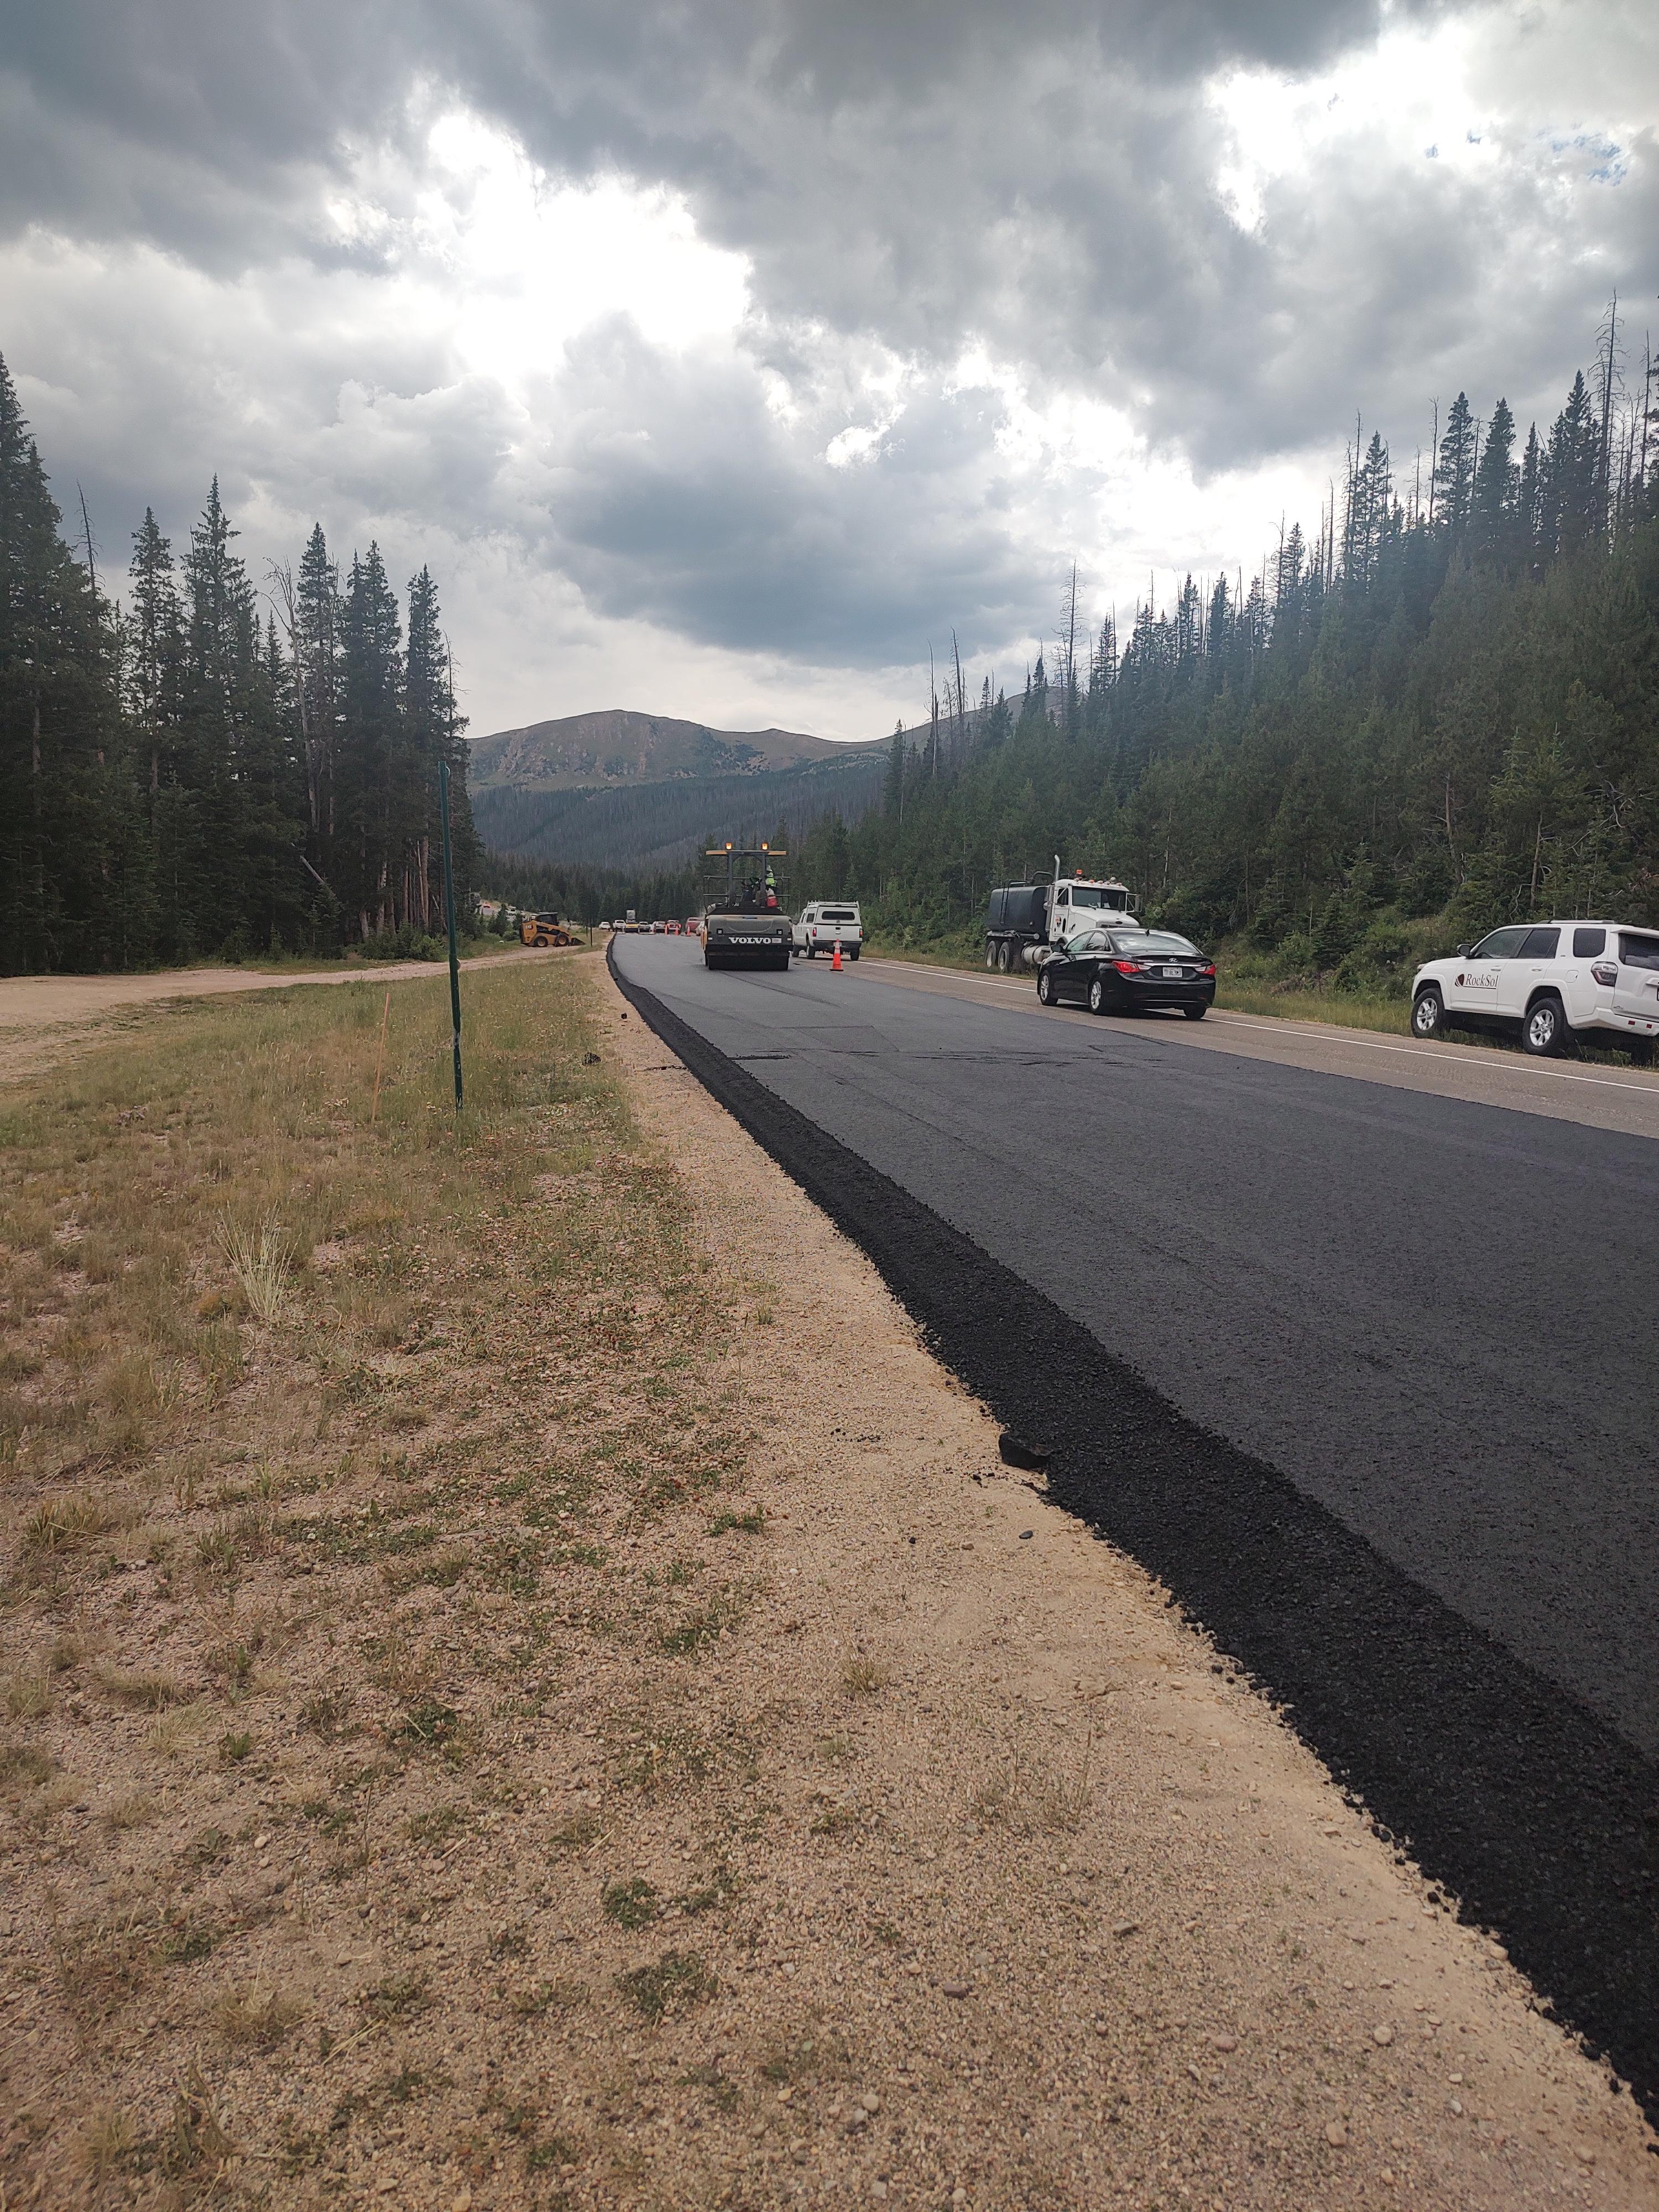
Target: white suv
column 1550, row 981
column 826, row 923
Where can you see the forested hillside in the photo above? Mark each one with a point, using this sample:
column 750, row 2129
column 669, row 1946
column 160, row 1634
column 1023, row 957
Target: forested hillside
column 179, row 776
column 1445, row 705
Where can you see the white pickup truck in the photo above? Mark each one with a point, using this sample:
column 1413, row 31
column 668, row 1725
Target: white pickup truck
column 1550, row 981
column 825, row 924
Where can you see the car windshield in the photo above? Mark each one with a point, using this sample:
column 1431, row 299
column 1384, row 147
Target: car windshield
column 1638, row 951
column 836, row 914
column 1144, row 942
column 1094, row 894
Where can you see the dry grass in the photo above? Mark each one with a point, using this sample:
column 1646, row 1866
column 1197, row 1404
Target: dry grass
column 861, row 1676
column 255, row 2019
column 27, row 1696
column 106, row 2140
column 265, row 1401
column 137, row 1687
column 1029, row 1795
column 137, row 1811
column 261, row 1260
column 24, row 1766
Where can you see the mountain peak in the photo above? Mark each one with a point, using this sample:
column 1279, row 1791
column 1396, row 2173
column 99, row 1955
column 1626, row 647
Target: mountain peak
column 618, row 745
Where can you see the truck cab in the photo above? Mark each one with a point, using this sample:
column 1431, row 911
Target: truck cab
column 1081, row 902
column 1027, row 923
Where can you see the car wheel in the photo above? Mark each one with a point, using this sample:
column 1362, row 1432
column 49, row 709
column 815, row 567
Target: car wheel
column 1045, row 988
column 852, row 952
column 1097, row 997
column 1194, row 1013
column 1544, row 1032
column 1428, row 1013
column 990, row 952
column 1005, row 955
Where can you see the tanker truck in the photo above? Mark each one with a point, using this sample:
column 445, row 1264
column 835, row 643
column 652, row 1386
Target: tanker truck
column 1025, row 923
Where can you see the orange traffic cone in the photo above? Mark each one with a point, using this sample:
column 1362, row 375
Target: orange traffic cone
column 834, row 963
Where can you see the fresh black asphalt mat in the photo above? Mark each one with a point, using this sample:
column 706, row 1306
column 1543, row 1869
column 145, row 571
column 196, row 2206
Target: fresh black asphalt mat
column 1537, row 1819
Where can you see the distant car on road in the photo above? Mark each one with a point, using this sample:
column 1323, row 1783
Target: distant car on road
column 1129, row 971
column 828, row 922
column 1549, row 983
column 670, row 929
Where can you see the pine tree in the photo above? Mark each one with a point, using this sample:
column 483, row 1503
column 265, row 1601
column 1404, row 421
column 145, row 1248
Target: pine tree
column 368, row 759
column 432, row 732
column 1454, row 474
column 892, row 798
column 1529, row 503
column 1571, row 503
column 219, row 684
column 1369, row 507
column 58, row 723
column 1492, row 501
column 315, row 644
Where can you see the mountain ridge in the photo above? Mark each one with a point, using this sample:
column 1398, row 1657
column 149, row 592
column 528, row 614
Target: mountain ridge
column 618, row 747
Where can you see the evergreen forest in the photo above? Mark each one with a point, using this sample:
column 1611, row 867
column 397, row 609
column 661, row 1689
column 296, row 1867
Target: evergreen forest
column 182, row 774
column 1439, row 712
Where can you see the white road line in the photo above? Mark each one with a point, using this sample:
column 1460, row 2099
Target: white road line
column 1424, row 1052
column 1332, row 1035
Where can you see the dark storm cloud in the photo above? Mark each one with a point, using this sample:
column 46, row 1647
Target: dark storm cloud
column 1040, row 181
column 912, row 171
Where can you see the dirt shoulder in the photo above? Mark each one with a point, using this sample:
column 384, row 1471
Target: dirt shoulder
column 565, row 1707
column 45, row 1018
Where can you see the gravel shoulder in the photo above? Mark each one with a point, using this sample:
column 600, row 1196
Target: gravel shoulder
column 1142, row 1949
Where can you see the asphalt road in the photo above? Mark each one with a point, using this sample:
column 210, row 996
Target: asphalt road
column 1434, row 1315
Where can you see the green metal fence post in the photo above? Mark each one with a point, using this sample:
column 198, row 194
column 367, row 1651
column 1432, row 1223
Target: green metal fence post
column 449, row 917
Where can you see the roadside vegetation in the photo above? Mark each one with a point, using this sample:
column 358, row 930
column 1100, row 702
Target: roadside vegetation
column 187, row 773
column 1428, row 715
column 326, row 1493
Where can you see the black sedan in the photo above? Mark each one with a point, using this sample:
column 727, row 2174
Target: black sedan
column 1129, row 971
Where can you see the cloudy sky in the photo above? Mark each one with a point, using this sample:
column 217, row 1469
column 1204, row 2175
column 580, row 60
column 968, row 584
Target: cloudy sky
column 720, row 355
